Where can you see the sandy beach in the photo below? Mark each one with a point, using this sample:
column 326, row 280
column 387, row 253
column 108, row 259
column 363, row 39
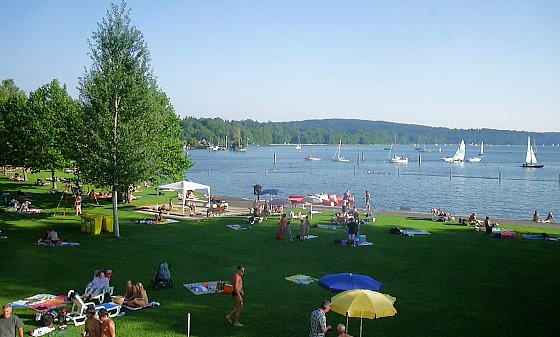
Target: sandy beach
column 243, row 203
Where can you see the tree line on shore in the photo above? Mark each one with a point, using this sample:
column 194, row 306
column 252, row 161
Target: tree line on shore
column 201, row 132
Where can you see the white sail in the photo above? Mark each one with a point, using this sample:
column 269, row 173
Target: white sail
column 530, row 158
column 337, row 157
column 481, row 153
column 396, row 159
column 460, row 154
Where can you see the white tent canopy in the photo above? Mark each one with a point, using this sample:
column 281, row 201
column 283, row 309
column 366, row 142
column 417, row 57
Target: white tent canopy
column 184, row 186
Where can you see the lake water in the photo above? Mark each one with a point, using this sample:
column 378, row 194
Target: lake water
column 497, row 186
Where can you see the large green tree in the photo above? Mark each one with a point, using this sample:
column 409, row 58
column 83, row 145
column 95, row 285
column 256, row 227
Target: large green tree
column 15, row 126
column 129, row 130
column 51, row 108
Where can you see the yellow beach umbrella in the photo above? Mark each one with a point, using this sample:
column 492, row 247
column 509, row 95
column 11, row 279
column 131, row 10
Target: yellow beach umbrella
column 363, row 303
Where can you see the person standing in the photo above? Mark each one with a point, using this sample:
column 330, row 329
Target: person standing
column 237, row 294
column 107, row 324
column 319, row 320
column 367, row 205
column 78, row 204
column 10, row 324
column 488, row 226
column 92, row 327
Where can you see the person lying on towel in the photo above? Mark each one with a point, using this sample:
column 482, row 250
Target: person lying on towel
column 96, row 286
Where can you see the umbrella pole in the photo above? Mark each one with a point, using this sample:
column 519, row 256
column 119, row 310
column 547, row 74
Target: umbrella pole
column 347, row 322
column 361, row 326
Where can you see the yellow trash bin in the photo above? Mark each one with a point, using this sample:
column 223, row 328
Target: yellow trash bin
column 85, row 218
column 107, row 224
column 96, row 225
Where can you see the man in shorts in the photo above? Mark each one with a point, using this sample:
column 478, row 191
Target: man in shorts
column 237, row 294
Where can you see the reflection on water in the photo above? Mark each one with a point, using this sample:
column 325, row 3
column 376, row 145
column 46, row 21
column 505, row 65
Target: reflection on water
column 497, row 186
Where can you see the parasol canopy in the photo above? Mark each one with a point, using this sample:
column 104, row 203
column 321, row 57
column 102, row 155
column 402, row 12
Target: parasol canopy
column 348, row 281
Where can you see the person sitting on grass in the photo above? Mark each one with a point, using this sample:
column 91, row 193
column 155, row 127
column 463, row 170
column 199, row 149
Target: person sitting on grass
column 488, row 225
column 536, row 217
column 341, row 329
column 138, row 298
column 51, row 236
column 549, row 218
column 473, row 220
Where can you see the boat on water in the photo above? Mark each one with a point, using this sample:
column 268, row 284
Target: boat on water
column 530, row 157
column 396, row 159
column 312, row 158
column 474, row 159
column 298, row 145
column 481, row 152
column 337, row 157
column 459, row 154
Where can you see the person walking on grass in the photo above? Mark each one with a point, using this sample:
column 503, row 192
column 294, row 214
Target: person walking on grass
column 237, row 294
column 107, row 324
column 367, row 206
column 10, row 324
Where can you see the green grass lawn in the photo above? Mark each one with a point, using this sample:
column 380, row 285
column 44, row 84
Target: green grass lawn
column 455, row 282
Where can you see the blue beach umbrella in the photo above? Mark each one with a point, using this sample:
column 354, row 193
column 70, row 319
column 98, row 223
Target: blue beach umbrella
column 348, row 281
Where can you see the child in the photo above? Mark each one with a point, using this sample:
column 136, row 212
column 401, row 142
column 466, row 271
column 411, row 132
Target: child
column 288, row 231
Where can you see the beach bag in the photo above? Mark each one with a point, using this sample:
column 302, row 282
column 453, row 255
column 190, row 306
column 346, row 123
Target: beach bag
column 47, row 319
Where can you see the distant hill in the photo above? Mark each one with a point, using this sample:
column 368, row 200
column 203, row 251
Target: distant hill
column 351, row 131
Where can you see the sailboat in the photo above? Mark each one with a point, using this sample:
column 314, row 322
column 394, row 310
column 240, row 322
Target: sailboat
column 481, row 153
column 298, row 145
column 530, row 158
column 337, row 157
column 396, row 159
column 459, row 154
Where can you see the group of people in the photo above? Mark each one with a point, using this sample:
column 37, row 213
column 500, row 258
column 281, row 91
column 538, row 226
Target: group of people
column 285, row 228
column 51, row 237
column 98, row 326
column 135, row 295
column 549, row 218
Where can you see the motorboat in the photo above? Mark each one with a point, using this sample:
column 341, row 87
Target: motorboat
column 312, row 158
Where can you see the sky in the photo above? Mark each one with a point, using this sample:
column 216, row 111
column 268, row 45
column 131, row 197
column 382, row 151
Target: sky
column 456, row 64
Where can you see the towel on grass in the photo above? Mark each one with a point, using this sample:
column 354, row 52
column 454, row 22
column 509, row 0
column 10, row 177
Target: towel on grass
column 202, row 287
column 149, row 305
column 153, row 222
column 57, row 244
column 237, row 227
column 301, row 279
column 412, row 232
column 332, row 227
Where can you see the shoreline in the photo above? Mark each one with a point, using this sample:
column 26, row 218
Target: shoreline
column 241, row 202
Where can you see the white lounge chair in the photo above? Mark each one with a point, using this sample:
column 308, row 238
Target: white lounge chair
column 100, row 298
column 78, row 312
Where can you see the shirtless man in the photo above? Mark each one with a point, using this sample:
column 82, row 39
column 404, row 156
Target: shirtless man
column 92, row 327
column 107, row 324
column 237, row 294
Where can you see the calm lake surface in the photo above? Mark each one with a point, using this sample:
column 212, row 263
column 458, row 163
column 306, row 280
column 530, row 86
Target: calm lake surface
column 497, row 186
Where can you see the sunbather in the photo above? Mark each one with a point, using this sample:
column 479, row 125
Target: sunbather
column 139, row 298
column 549, row 218
column 51, row 236
column 97, row 285
column 536, row 217
column 473, row 220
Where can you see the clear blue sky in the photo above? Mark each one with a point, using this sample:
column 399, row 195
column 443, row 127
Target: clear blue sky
column 457, row 64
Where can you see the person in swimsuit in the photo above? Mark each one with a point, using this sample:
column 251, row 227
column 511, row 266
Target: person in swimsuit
column 237, row 294
column 107, row 324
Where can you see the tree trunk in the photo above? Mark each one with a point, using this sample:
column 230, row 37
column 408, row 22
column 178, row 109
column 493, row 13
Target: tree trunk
column 115, row 213
column 53, row 180
column 24, row 173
